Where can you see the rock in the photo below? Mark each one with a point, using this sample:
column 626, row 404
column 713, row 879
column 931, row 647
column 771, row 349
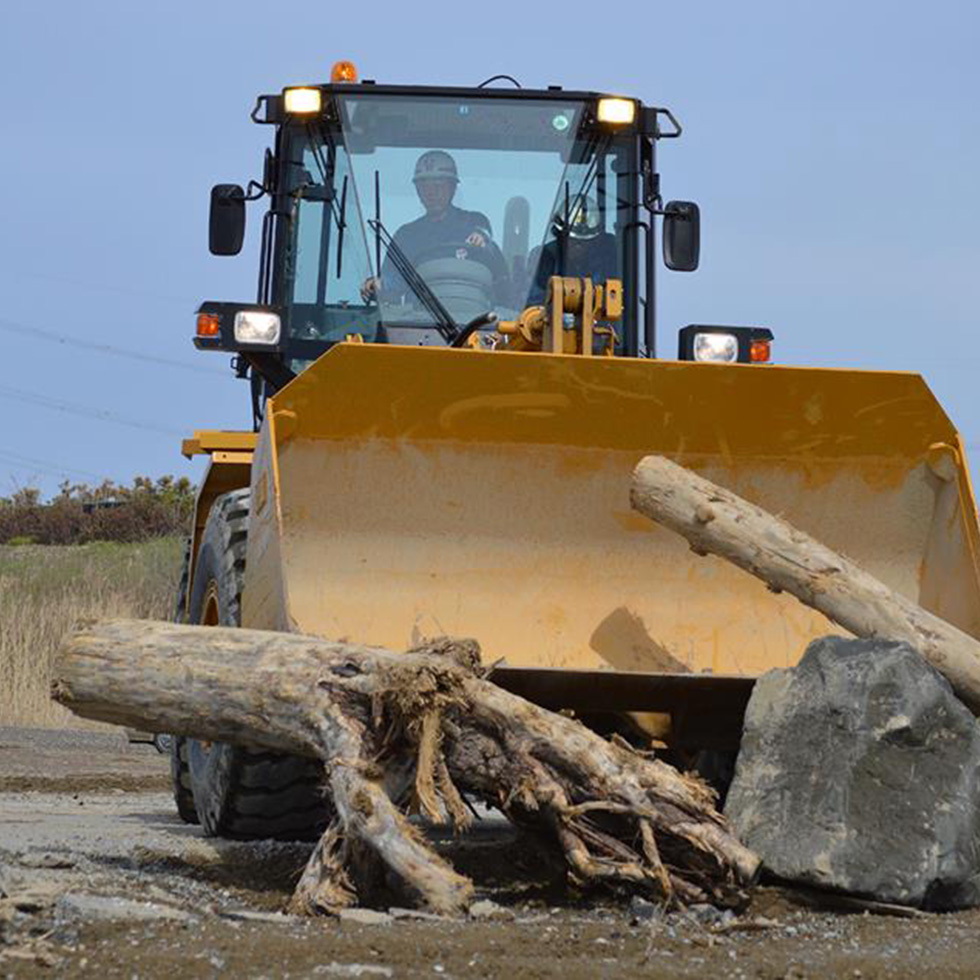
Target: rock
column 110, row 909
column 488, row 910
column 250, row 915
column 47, row 860
column 707, row 915
column 33, row 895
column 32, row 900
column 366, row 917
column 353, row 970
column 859, row 770
column 6, row 881
column 416, row 915
column 642, row 911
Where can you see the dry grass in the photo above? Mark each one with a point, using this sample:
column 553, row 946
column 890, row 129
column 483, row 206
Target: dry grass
column 44, row 590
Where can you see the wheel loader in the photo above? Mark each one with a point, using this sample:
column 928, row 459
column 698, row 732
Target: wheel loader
column 453, row 369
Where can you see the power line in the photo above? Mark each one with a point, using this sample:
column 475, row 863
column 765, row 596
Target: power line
column 134, row 355
column 47, row 465
column 85, row 411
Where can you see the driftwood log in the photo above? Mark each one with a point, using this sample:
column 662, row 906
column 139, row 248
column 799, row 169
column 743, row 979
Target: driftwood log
column 716, row 521
column 427, row 721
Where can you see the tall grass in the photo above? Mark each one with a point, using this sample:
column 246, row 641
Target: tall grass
column 44, row 590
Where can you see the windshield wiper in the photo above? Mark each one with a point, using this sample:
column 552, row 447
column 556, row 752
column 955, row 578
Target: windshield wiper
column 596, row 150
column 448, row 328
column 341, row 225
column 318, row 138
column 451, row 332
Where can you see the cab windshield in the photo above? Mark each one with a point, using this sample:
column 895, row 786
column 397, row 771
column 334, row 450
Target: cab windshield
column 407, row 211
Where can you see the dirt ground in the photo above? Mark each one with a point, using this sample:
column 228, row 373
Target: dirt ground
column 99, row 878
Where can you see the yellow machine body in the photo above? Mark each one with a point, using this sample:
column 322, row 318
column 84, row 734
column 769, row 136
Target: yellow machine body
column 401, row 493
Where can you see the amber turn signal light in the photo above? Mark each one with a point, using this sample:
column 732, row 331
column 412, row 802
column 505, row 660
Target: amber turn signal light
column 760, row 351
column 208, row 325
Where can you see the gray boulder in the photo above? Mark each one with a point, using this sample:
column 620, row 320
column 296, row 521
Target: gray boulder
column 859, row 770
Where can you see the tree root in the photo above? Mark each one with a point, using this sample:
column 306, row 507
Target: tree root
column 417, row 731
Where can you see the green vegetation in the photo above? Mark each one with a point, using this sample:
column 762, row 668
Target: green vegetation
column 109, row 512
column 44, row 591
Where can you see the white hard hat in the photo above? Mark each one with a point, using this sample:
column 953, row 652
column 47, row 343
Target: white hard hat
column 435, row 165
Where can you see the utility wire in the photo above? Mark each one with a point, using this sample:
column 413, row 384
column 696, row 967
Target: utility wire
column 85, row 411
column 132, row 354
column 48, row 466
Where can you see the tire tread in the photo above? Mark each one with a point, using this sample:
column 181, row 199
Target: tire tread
column 253, row 794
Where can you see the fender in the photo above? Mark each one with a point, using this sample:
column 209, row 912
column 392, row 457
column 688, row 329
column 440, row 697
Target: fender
column 229, row 468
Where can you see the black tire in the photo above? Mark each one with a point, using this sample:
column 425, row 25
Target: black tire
column 238, row 792
column 180, row 780
column 180, row 773
column 717, row 768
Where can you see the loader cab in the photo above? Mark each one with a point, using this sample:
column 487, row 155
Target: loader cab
column 543, row 183
column 513, row 168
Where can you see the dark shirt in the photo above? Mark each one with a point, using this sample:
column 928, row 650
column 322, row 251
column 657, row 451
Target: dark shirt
column 424, row 234
column 596, row 258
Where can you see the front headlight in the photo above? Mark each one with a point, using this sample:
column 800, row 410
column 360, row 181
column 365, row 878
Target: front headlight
column 257, row 327
column 720, row 348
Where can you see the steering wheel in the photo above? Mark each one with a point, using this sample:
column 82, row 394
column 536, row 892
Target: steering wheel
column 488, row 255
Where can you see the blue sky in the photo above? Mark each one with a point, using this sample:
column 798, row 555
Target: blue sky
column 834, row 149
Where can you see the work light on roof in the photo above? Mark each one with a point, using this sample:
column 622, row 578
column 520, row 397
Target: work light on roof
column 302, row 101
column 616, row 112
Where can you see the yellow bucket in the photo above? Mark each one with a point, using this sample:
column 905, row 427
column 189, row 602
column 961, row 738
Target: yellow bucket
column 401, row 493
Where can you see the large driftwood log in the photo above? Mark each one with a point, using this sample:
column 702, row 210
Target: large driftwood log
column 373, row 717
column 715, row 520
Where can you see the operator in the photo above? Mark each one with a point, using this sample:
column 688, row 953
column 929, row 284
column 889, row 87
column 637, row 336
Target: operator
column 444, row 231
column 589, row 251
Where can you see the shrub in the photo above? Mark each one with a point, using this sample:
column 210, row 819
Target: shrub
column 109, row 512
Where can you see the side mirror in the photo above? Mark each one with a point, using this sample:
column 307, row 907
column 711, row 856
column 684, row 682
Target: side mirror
column 682, row 235
column 226, row 227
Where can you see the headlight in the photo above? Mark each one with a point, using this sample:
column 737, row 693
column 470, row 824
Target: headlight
column 256, row 327
column 723, row 344
column 721, row 348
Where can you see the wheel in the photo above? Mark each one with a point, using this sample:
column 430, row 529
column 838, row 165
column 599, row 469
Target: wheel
column 717, row 768
column 180, row 781
column 180, row 774
column 238, row 792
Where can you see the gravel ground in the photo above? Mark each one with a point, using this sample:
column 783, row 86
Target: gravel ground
column 72, row 761
column 99, row 878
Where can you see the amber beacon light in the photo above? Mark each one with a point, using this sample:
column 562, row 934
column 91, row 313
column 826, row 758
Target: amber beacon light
column 343, row 71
